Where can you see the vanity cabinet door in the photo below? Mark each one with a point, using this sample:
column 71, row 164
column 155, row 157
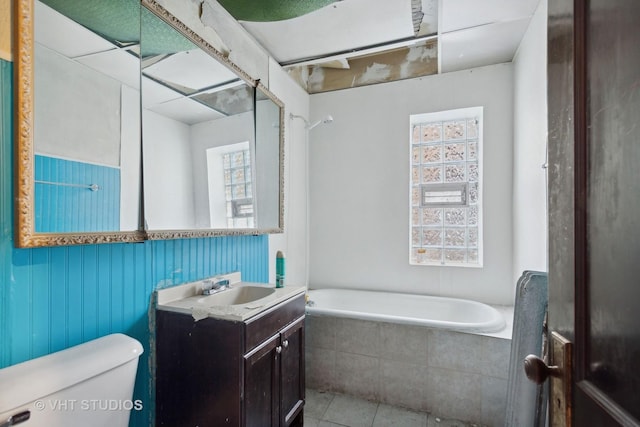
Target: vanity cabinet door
column 274, row 379
column 292, row 384
column 261, row 384
column 198, row 371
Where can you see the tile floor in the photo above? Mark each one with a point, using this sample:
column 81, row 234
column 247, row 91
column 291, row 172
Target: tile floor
column 324, row 409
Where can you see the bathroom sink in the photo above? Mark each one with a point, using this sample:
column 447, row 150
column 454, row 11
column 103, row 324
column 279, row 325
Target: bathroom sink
column 236, row 296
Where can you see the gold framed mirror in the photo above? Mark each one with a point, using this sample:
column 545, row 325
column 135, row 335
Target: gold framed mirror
column 64, row 183
column 212, row 138
column 60, row 118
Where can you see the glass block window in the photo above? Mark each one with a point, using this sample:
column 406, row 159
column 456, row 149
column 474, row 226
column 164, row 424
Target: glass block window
column 238, row 188
column 446, row 188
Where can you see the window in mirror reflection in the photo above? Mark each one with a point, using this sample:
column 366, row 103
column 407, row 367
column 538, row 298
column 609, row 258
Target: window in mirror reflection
column 195, row 109
column 229, row 173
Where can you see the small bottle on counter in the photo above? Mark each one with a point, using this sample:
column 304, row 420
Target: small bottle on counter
column 279, row 269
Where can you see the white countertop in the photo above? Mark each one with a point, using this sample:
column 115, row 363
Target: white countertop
column 184, row 299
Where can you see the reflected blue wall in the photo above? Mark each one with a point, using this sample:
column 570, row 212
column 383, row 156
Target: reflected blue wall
column 53, row 298
column 62, row 196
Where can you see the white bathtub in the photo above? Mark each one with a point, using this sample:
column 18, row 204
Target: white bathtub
column 435, row 312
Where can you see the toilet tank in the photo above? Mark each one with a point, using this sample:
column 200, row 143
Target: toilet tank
column 90, row 384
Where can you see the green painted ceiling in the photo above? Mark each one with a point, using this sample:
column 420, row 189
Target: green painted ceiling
column 115, row 20
column 271, row 10
column 119, row 21
column 158, row 37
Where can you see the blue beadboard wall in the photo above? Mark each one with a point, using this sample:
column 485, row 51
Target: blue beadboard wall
column 53, row 298
column 60, row 201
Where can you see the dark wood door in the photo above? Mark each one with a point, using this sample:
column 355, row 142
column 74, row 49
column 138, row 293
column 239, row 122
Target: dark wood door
column 594, row 202
column 292, row 372
column 261, row 384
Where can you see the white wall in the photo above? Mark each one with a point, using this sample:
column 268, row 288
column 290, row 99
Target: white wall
column 84, row 96
column 130, row 160
column 167, row 169
column 267, row 161
column 530, row 133
column 293, row 241
column 359, row 177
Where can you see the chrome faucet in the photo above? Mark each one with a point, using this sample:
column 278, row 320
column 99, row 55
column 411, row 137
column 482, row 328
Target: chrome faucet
column 213, row 286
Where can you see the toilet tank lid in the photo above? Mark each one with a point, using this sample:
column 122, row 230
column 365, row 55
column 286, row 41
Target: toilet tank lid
column 37, row 378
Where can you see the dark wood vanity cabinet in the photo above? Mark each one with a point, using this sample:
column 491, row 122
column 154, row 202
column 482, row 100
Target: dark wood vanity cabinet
column 276, row 365
column 224, row 373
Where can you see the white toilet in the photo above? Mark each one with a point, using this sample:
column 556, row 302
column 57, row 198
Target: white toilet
column 90, row 384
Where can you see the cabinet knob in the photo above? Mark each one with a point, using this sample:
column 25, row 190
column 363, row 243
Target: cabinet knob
column 279, row 349
column 285, row 343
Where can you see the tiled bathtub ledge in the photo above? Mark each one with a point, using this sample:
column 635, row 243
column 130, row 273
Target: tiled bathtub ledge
column 453, row 374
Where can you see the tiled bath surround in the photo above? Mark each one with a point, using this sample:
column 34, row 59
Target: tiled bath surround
column 452, row 374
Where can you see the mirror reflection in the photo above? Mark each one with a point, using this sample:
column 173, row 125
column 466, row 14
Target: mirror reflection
column 203, row 167
column 269, row 164
column 86, row 142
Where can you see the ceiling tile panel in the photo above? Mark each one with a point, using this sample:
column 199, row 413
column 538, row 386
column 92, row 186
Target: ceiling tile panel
column 479, row 46
column 460, row 14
